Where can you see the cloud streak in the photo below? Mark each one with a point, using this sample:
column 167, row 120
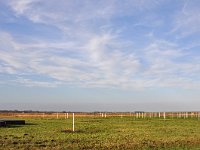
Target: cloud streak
column 95, row 50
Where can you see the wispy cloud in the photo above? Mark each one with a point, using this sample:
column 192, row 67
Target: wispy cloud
column 32, row 83
column 187, row 21
column 101, row 63
column 94, row 49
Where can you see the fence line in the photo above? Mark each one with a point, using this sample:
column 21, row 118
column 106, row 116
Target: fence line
column 136, row 115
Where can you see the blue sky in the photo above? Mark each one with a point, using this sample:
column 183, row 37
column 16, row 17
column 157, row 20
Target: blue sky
column 100, row 52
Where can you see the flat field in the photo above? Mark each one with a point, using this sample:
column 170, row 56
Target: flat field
column 102, row 133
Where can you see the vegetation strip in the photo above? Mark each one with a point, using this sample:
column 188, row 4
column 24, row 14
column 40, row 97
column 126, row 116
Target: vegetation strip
column 103, row 133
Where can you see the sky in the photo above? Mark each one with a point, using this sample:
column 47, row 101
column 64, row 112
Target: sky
column 89, row 55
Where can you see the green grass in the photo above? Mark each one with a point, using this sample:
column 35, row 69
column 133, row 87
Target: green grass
column 103, row 133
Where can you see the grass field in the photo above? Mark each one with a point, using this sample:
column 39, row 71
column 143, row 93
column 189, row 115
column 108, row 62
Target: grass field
column 103, row 133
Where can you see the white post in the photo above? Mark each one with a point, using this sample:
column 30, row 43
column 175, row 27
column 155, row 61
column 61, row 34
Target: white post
column 57, row 115
column 164, row 115
column 105, row 115
column 73, row 122
column 67, row 116
column 159, row 114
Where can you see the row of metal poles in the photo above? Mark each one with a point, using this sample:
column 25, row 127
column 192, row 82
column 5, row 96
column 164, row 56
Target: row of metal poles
column 163, row 115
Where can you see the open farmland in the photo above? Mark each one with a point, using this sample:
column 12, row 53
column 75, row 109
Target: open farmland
column 95, row 132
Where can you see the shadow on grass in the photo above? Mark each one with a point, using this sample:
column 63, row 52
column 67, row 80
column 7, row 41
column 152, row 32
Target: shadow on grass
column 91, row 131
column 71, row 131
column 30, row 124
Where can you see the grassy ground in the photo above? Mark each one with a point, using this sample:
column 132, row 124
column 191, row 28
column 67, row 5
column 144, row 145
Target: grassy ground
column 103, row 133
